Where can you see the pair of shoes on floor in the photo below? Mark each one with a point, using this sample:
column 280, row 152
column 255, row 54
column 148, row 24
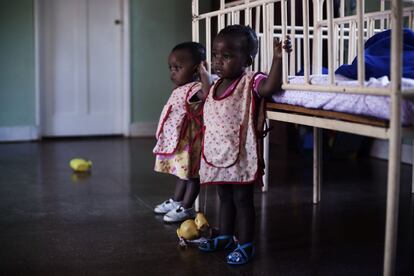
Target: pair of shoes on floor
column 173, row 211
column 242, row 254
column 167, row 206
column 180, row 214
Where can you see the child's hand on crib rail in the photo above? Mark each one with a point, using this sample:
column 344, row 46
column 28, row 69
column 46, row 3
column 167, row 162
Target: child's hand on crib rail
column 278, row 47
column 202, row 70
column 273, row 83
column 206, row 80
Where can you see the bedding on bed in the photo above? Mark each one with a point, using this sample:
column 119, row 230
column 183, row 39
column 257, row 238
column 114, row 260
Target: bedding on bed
column 377, row 51
column 358, row 104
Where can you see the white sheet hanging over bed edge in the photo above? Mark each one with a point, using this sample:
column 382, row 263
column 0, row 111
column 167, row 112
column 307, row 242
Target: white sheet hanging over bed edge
column 366, row 105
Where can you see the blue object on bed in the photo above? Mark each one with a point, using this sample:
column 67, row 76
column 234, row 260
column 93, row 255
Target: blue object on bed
column 378, row 57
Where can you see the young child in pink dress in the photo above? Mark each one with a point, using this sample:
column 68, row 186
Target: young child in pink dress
column 179, row 131
column 230, row 155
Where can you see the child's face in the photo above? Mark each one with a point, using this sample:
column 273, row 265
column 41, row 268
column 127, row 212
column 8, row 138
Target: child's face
column 229, row 60
column 182, row 68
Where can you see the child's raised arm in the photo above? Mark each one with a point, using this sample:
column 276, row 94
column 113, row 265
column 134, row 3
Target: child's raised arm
column 206, row 81
column 273, row 83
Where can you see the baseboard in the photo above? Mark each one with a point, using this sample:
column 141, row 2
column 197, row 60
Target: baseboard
column 143, row 129
column 379, row 149
column 20, row 133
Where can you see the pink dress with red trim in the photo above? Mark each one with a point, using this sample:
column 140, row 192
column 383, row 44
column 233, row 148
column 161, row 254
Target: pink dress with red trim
column 179, row 131
column 230, row 149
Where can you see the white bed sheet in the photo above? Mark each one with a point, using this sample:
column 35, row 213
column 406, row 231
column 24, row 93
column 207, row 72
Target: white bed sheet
column 367, row 105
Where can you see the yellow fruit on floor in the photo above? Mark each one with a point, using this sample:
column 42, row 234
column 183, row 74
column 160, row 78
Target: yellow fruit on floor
column 80, row 165
column 188, row 230
column 201, row 222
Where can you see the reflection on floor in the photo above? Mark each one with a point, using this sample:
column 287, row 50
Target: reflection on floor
column 54, row 222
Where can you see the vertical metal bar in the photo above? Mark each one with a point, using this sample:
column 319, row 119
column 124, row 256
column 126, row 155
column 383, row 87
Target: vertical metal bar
column 261, row 40
column 284, row 32
column 220, row 23
column 195, row 37
column 270, row 30
column 317, row 164
column 370, row 27
column 257, row 22
column 306, row 40
column 341, row 33
column 221, row 18
column 247, row 17
column 265, row 38
column 208, row 41
column 265, row 178
column 361, row 58
column 195, row 21
column 336, row 55
column 235, row 17
column 382, row 19
column 248, row 22
column 317, row 37
column 412, row 20
column 331, row 66
column 298, row 54
column 292, row 69
column 352, row 43
column 394, row 156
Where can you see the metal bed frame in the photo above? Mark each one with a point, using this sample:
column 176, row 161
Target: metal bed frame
column 342, row 36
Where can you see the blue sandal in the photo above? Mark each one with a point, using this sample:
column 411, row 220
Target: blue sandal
column 239, row 256
column 218, row 243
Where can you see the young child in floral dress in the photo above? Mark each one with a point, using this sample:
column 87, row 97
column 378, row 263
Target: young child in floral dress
column 179, row 131
column 230, row 155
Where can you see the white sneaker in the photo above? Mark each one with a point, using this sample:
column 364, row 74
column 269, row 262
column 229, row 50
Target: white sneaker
column 167, row 206
column 179, row 214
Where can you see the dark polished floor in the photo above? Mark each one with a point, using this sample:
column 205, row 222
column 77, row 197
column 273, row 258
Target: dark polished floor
column 53, row 222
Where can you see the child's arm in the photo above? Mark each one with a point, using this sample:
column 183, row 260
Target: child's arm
column 206, row 82
column 273, row 83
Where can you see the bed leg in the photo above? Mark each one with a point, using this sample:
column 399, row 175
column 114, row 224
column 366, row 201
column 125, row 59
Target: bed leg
column 197, row 203
column 393, row 187
column 317, row 164
column 412, row 178
column 266, row 161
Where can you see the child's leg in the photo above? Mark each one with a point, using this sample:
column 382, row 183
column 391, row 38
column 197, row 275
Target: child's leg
column 186, row 192
column 180, row 188
column 172, row 204
column 191, row 192
column 243, row 200
column 226, row 221
column 227, row 210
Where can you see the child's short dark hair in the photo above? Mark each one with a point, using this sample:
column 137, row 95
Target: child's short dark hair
column 247, row 34
column 197, row 50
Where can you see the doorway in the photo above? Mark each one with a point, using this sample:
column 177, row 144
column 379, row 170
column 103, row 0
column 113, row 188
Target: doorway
column 83, row 67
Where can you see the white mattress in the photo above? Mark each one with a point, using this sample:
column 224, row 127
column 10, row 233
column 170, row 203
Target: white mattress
column 367, row 105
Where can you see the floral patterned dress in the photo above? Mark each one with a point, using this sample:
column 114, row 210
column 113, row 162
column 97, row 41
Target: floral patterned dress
column 184, row 162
